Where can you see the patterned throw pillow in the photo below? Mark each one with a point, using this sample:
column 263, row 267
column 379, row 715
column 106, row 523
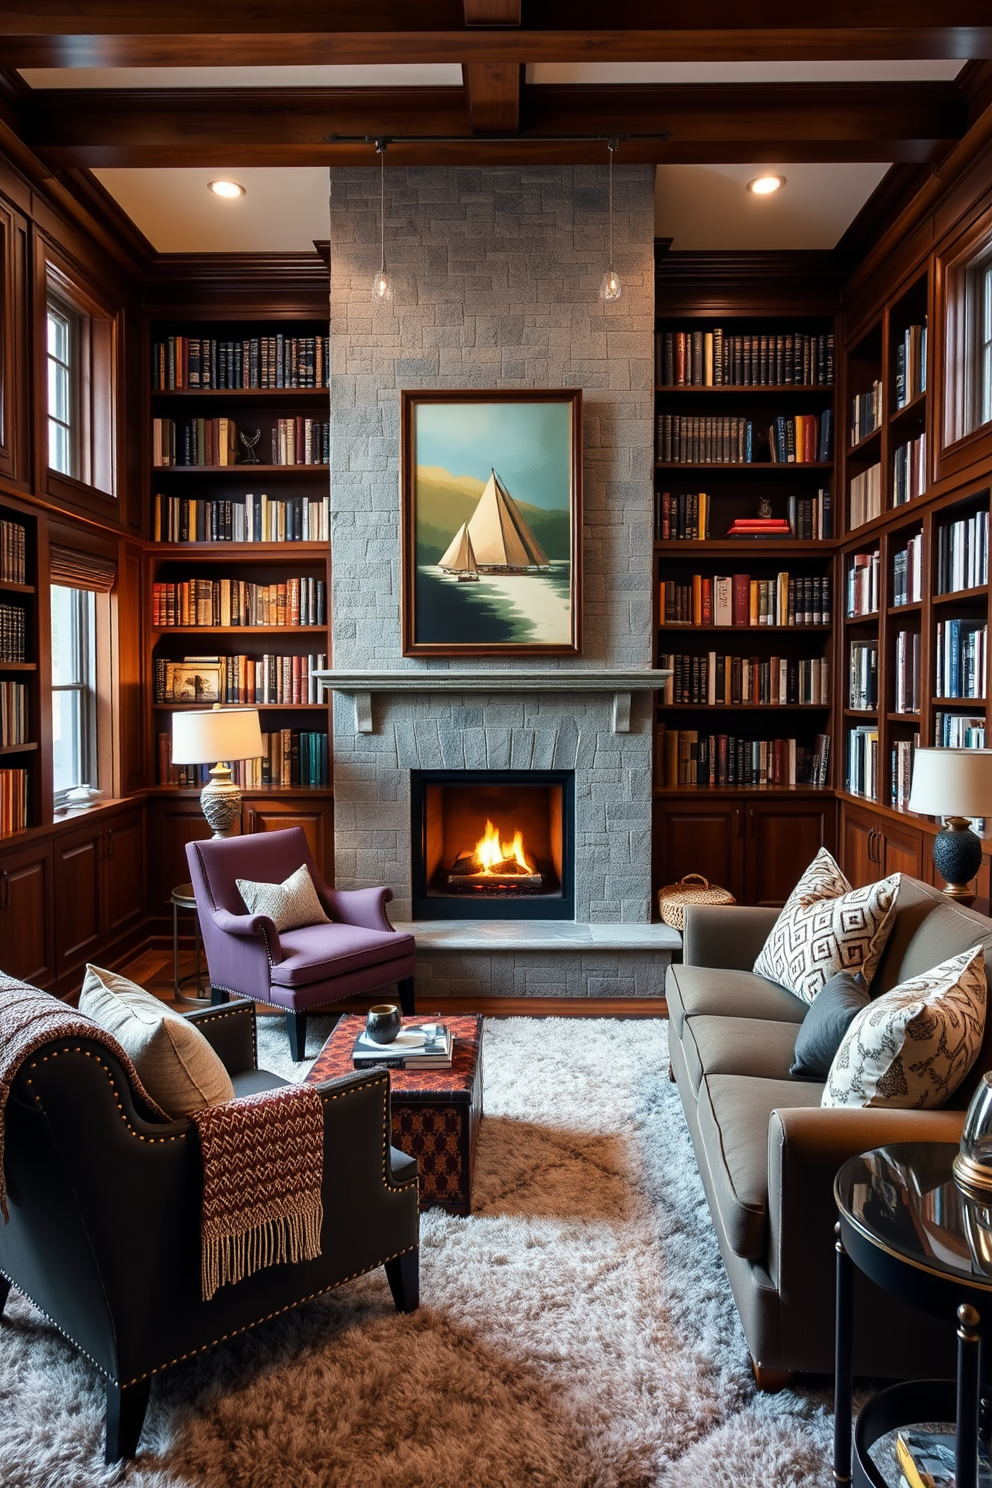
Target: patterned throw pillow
column 821, row 880
column 813, row 939
column 289, row 905
column 912, row 1047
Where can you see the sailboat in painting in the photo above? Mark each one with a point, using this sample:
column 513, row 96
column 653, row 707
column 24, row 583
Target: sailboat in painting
column 498, row 538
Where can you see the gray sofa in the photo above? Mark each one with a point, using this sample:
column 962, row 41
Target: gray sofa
column 768, row 1153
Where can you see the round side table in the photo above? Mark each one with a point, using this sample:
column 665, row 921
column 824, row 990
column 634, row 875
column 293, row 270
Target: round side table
column 904, row 1222
column 184, row 898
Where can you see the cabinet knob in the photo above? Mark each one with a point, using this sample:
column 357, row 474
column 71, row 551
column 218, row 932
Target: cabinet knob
column 110, row 842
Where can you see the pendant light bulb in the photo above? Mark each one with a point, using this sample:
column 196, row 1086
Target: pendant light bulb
column 382, row 289
column 610, row 288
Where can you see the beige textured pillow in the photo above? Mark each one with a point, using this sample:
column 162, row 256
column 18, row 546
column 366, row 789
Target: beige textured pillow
column 289, row 905
column 176, row 1065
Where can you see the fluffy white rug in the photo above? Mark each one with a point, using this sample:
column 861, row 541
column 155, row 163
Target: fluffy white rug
column 576, row 1330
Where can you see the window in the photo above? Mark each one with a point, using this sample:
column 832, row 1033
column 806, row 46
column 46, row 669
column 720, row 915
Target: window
column 984, row 297
column 74, row 693
column 60, row 410
column 80, row 364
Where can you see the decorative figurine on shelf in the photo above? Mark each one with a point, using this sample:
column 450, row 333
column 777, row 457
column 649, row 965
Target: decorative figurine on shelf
column 250, row 441
column 764, row 507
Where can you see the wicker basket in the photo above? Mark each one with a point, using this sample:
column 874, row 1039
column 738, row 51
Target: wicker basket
column 694, row 889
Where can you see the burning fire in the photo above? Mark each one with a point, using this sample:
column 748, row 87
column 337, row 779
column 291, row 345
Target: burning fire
column 493, row 855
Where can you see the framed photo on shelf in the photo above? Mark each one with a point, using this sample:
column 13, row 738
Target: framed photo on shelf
column 194, row 681
column 491, row 501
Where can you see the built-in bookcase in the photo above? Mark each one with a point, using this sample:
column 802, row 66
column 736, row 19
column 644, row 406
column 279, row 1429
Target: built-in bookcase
column 20, row 708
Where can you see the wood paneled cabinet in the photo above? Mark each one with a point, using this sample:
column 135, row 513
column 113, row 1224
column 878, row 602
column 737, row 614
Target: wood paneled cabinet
column 99, row 884
column 755, row 848
column 873, row 846
column 27, row 914
column 314, row 814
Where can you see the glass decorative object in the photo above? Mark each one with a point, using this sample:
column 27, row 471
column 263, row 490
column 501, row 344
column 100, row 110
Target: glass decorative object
column 973, row 1164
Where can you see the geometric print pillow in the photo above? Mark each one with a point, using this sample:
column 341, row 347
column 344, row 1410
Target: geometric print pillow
column 812, row 940
column 912, row 1047
column 821, row 880
column 290, row 905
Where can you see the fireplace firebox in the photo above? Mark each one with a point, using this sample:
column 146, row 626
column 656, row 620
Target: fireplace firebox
column 493, row 844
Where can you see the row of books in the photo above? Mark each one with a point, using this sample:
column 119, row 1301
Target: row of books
column 863, row 579
column 289, row 758
column 863, row 675
column 909, row 471
column 727, row 439
column 907, row 572
column 959, row 730
column 13, row 552
column 906, row 689
column 902, row 769
column 14, row 723
column 13, row 801
column 684, row 517
column 962, row 658
column 963, row 553
column 13, row 633
column 224, row 602
column 739, row 680
column 688, row 757
column 865, row 498
column 862, row 760
column 213, row 442
column 811, row 518
column 737, row 599
column 239, row 679
column 712, row 359
column 252, row 519
column 866, row 412
column 192, row 363
column 911, row 364
column 687, row 517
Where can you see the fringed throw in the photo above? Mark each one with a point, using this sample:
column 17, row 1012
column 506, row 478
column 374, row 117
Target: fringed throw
column 263, row 1167
column 28, row 1019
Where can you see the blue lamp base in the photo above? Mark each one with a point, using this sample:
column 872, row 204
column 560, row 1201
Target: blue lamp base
column 957, row 857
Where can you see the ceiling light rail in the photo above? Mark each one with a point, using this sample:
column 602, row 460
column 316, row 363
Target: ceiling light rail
column 380, row 141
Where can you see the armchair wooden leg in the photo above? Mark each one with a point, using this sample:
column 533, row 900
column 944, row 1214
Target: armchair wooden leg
column 407, row 988
column 403, row 1275
column 125, row 1414
column 296, row 1027
column 4, row 1292
column 770, row 1381
column 218, row 995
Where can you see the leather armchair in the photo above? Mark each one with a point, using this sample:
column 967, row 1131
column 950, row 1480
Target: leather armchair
column 297, row 969
column 104, row 1229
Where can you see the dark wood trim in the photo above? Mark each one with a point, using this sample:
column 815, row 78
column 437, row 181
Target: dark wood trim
column 492, row 12
column 806, row 283
column 493, row 93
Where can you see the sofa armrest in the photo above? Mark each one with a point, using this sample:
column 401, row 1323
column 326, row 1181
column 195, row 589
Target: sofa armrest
column 230, row 1031
column 248, row 925
column 806, row 1147
column 725, row 935
column 364, row 907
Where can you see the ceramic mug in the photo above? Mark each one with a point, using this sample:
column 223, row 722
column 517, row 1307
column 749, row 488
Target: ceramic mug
column 383, row 1023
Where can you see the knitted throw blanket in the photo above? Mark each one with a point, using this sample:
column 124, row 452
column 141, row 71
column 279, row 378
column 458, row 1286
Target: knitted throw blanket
column 263, row 1167
column 28, row 1019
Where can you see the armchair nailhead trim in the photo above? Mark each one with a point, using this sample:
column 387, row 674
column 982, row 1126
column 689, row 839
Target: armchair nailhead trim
column 240, row 1010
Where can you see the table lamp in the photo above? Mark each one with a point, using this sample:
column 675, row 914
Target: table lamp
column 217, row 735
column 957, row 785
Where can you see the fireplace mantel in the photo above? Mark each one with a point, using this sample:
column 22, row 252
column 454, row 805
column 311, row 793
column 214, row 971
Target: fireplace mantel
column 621, row 682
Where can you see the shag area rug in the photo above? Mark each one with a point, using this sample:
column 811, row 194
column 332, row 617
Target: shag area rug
column 577, row 1331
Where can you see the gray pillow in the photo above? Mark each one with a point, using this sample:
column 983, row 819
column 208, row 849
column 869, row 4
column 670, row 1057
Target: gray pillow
column 289, row 905
column 831, row 1014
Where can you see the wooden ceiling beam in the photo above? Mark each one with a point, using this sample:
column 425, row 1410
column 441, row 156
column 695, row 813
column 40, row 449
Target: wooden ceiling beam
column 493, row 93
column 493, row 12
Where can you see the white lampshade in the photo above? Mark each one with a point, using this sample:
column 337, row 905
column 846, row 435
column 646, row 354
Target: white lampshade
column 205, row 735
column 952, row 782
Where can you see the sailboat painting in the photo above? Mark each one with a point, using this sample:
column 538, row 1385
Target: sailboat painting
column 492, row 522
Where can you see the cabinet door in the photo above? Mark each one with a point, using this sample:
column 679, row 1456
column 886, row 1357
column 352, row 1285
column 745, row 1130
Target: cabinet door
column 78, row 877
column 859, row 836
column 900, row 849
column 123, row 873
column 26, row 915
column 273, row 814
column 783, row 838
column 706, row 839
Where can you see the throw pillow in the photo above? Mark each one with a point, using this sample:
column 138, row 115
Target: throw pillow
column 833, row 1011
column 912, row 1047
column 823, row 879
column 813, row 939
column 175, row 1063
column 289, row 905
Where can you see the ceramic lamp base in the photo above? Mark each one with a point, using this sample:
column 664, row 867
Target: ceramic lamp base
column 957, row 857
column 220, row 801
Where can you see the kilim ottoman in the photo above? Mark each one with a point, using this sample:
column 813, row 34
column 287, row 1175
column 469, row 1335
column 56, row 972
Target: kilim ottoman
column 436, row 1113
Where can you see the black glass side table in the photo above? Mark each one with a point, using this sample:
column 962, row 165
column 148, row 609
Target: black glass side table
column 905, row 1223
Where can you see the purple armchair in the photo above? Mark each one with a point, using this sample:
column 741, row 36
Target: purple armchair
column 295, row 969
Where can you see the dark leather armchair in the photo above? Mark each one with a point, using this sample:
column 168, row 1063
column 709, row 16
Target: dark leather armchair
column 104, row 1229
column 297, row 969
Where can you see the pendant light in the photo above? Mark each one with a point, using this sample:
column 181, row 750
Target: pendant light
column 382, row 290
column 611, row 289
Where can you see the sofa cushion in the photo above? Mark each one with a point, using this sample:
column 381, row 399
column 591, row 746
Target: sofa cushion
column 737, row 1046
column 289, row 904
column 812, row 940
column 911, row 1048
column 733, row 1114
column 692, row 990
column 175, row 1063
column 823, row 1029
column 319, row 951
column 823, row 879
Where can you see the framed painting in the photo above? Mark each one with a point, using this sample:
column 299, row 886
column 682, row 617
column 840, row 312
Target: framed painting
column 491, row 493
column 193, row 681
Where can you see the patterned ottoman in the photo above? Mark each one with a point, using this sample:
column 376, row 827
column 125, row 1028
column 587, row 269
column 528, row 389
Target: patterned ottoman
column 436, row 1113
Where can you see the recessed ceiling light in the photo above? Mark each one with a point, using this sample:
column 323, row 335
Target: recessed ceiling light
column 765, row 185
column 227, row 189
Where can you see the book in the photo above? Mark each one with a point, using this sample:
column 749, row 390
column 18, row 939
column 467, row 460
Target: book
column 926, row 1459
column 404, row 1053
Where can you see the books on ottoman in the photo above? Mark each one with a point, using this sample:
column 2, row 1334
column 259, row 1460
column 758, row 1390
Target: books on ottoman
column 417, row 1046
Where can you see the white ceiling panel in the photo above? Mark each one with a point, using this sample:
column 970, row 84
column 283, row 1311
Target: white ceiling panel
column 918, row 70
column 388, row 75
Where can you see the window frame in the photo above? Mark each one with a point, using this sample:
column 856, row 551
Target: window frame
column 960, row 270
column 85, row 685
